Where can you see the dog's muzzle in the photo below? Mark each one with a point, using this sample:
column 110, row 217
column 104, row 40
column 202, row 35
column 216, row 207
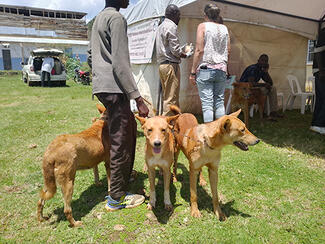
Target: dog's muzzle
column 157, row 146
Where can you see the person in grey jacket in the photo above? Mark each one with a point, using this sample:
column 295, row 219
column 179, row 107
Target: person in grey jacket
column 114, row 86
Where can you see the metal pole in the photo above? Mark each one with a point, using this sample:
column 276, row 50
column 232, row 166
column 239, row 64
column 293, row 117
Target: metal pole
column 159, row 100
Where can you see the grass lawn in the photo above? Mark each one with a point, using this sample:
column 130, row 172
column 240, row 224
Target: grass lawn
column 274, row 193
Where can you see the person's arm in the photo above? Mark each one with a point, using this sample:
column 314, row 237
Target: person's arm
column 121, row 58
column 199, row 48
column 266, row 76
column 173, row 42
column 121, row 64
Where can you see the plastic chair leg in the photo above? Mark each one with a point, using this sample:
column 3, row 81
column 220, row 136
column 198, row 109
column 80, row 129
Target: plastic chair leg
column 303, row 104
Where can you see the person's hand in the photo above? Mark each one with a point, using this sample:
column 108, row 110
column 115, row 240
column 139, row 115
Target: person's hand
column 192, row 79
column 142, row 107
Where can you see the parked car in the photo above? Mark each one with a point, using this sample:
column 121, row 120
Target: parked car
column 31, row 72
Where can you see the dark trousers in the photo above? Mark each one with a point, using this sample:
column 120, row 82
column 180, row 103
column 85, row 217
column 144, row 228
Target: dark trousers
column 319, row 111
column 122, row 135
column 47, row 76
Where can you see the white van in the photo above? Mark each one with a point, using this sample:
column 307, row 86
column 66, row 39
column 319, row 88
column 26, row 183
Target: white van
column 31, row 72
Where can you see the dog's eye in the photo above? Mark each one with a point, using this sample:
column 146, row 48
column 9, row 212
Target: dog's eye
column 149, row 130
column 163, row 130
column 243, row 130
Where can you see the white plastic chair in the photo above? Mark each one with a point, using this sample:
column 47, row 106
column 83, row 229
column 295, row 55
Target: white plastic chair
column 293, row 82
column 311, row 80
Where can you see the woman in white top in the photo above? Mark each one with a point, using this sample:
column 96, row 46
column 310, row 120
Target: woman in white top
column 209, row 68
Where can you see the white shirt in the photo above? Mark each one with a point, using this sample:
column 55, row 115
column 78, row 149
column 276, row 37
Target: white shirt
column 216, row 44
column 47, row 64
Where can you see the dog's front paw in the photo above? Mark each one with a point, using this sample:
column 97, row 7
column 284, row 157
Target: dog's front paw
column 150, row 206
column 196, row 213
column 169, row 207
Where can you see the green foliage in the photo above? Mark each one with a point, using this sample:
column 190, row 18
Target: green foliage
column 71, row 64
column 273, row 193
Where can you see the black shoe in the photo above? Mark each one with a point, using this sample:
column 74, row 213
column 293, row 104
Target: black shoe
column 271, row 118
column 276, row 115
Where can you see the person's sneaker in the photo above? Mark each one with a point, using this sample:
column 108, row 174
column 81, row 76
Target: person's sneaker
column 320, row 130
column 128, row 201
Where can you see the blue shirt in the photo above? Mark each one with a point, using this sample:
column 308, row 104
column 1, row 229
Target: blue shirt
column 252, row 71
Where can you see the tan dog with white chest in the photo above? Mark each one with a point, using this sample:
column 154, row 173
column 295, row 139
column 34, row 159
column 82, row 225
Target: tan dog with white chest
column 159, row 152
column 202, row 145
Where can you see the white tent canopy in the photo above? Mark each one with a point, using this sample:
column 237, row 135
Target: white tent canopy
column 296, row 16
column 278, row 28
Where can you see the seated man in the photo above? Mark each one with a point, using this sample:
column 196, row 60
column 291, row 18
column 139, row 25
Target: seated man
column 254, row 73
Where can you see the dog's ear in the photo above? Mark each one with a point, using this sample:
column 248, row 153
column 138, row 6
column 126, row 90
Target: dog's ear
column 100, row 108
column 225, row 126
column 235, row 114
column 172, row 118
column 141, row 119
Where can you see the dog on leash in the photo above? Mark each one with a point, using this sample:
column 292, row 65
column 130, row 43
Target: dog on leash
column 202, row 145
column 184, row 122
column 244, row 96
column 68, row 153
column 159, row 152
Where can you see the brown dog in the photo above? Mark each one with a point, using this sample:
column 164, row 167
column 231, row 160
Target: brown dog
column 202, row 145
column 68, row 153
column 245, row 95
column 184, row 122
column 159, row 152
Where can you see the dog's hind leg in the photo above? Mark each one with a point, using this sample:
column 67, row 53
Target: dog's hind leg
column 202, row 181
column 213, row 176
column 44, row 195
column 175, row 165
column 67, row 190
column 96, row 176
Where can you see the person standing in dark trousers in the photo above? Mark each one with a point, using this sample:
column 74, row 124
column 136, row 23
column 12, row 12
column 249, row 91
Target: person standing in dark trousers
column 47, row 66
column 318, row 121
column 114, row 86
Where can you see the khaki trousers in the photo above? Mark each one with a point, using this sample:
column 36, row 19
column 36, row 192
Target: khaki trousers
column 170, row 81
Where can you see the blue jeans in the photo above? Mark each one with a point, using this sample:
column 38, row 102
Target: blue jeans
column 211, row 85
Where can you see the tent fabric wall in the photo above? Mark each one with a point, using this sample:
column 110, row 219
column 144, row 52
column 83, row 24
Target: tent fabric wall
column 287, row 54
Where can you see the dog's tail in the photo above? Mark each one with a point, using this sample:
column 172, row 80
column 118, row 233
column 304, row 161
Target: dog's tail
column 49, row 187
column 175, row 109
column 49, row 181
